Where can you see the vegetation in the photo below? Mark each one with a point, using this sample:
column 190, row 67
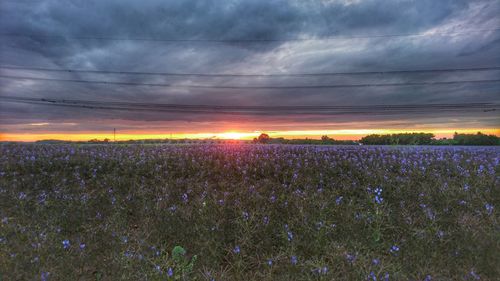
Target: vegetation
column 477, row 139
column 399, row 139
column 325, row 140
column 428, row 139
column 394, row 139
column 248, row 212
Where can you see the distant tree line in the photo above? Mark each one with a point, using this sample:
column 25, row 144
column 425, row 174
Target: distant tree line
column 374, row 139
column 477, row 139
column 428, row 139
column 325, row 140
column 399, row 139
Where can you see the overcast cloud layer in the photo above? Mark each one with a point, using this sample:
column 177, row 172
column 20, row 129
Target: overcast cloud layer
column 457, row 34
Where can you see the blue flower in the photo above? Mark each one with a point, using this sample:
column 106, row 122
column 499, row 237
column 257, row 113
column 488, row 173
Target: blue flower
column 324, row 270
column 339, row 200
column 170, row 272
column 236, row 250
column 22, row 195
column 394, row 249
column 66, row 244
column 378, row 195
column 294, row 260
column 82, row 246
column 350, row 258
column 266, row 220
column 475, row 275
column 289, row 235
column 269, row 262
column 319, row 225
column 428, row 278
column 372, row 276
column 128, row 254
column 246, row 216
column 375, row 261
column 489, row 208
column 44, row 276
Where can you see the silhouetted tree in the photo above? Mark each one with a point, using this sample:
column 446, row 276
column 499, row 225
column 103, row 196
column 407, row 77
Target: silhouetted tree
column 263, row 138
column 477, row 139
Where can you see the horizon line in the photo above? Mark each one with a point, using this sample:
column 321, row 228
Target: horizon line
column 341, row 134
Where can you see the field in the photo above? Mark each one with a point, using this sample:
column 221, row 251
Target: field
column 249, row 212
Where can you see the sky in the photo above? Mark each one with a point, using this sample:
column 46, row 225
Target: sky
column 245, row 38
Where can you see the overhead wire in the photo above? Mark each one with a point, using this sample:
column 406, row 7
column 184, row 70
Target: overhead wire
column 259, row 110
column 255, row 40
column 251, row 87
column 382, row 72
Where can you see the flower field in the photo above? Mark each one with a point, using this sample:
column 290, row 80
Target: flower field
column 249, row 212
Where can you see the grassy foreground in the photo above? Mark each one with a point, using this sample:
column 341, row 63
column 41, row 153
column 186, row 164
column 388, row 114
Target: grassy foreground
column 248, row 212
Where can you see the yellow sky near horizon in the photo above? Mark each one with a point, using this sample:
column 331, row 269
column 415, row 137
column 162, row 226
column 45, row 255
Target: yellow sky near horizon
column 298, row 134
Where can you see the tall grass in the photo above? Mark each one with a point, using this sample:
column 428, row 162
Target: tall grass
column 248, row 212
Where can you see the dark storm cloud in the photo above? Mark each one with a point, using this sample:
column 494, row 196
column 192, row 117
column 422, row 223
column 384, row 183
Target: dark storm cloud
column 75, row 23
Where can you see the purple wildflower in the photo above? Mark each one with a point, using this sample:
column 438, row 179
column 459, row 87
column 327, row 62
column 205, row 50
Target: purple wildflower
column 394, row 249
column 338, row 201
column 236, row 250
column 246, row 216
column 266, row 220
column 474, row 275
column 489, row 208
column 66, row 244
column 350, row 258
column 44, row 276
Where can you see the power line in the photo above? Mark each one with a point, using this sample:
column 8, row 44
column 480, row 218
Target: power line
column 195, row 40
column 260, row 110
column 245, row 107
column 252, row 87
column 474, row 69
column 193, row 111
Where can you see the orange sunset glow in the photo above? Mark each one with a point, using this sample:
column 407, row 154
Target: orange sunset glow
column 232, row 135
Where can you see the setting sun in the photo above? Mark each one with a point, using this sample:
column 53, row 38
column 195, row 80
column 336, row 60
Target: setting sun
column 236, row 135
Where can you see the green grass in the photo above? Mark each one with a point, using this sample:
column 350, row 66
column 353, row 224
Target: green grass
column 131, row 205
